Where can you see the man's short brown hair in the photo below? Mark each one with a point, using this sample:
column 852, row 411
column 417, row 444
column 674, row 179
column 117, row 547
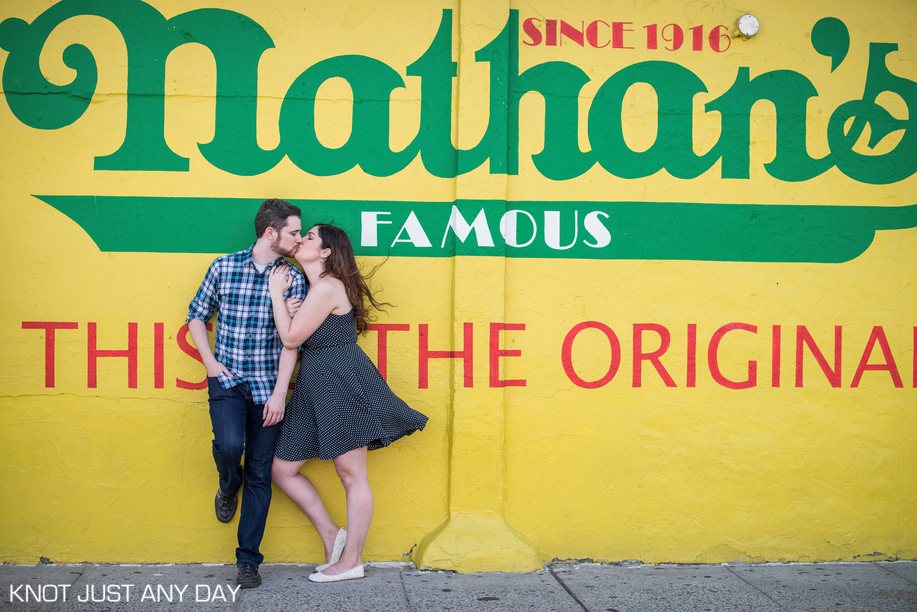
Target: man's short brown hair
column 274, row 213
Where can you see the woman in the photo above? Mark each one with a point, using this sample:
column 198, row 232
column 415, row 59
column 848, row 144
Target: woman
column 341, row 407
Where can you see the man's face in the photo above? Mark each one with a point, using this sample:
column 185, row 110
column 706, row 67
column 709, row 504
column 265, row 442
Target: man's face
column 287, row 240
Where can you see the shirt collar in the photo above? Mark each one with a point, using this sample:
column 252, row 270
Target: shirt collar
column 247, row 259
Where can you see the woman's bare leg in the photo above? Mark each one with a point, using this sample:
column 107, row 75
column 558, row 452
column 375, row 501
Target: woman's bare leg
column 351, row 468
column 304, row 494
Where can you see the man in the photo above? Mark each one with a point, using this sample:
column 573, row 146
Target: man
column 241, row 373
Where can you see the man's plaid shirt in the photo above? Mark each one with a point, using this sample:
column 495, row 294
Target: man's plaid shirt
column 247, row 342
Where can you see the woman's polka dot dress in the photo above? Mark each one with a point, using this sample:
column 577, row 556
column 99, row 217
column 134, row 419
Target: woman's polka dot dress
column 341, row 402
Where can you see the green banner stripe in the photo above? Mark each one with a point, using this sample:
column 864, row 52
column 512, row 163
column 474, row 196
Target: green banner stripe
column 569, row 230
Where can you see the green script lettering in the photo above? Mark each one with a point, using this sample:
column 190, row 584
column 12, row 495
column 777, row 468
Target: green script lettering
column 237, row 43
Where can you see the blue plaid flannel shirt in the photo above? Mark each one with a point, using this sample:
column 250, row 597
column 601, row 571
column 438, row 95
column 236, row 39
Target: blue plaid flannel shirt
column 247, row 342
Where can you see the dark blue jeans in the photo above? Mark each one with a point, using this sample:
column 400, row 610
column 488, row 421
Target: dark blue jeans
column 237, row 429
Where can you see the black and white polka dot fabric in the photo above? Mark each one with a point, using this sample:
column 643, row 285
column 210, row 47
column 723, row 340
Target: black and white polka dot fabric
column 341, row 402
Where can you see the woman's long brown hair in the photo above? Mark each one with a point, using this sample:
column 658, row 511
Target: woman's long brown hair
column 342, row 264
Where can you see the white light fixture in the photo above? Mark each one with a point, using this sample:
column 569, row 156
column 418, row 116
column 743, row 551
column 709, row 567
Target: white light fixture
column 748, row 25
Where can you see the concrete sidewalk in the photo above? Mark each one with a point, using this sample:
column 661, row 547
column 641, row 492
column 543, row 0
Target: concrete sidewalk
column 733, row 587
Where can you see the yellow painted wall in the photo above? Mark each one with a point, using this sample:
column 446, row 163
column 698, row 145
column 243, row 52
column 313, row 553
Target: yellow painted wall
column 503, row 478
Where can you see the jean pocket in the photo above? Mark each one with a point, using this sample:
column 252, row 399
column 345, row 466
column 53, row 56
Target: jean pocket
column 215, row 388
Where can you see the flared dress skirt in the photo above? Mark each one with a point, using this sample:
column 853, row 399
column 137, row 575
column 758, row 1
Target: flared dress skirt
column 341, row 402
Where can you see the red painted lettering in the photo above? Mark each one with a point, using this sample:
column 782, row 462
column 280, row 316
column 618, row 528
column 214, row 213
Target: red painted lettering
column 550, row 32
column 803, row 337
column 571, row 33
column 651, row 36
column 382, row 330
column 775, row 356
column 185, row 346
column 50, row 328
column 652, row 357
column 496, row 353
column 697, row 35
column 617, row 34
column 592, row 34
column 691, row 373
column 717, row 36
column 530, row 27
column 677, row 38
column 712, row 358
column 425, row 354
column 566, row 355
column 877, row 335
column 93, row 355
column 159, row 355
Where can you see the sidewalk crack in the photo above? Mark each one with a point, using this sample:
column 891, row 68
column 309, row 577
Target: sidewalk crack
column 755, row 587
column 79, row 574
column 404, row 589
column 885, row 567
column 566, row 588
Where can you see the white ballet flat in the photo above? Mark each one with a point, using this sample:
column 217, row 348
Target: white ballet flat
column 350, row 574
column 339, row 540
